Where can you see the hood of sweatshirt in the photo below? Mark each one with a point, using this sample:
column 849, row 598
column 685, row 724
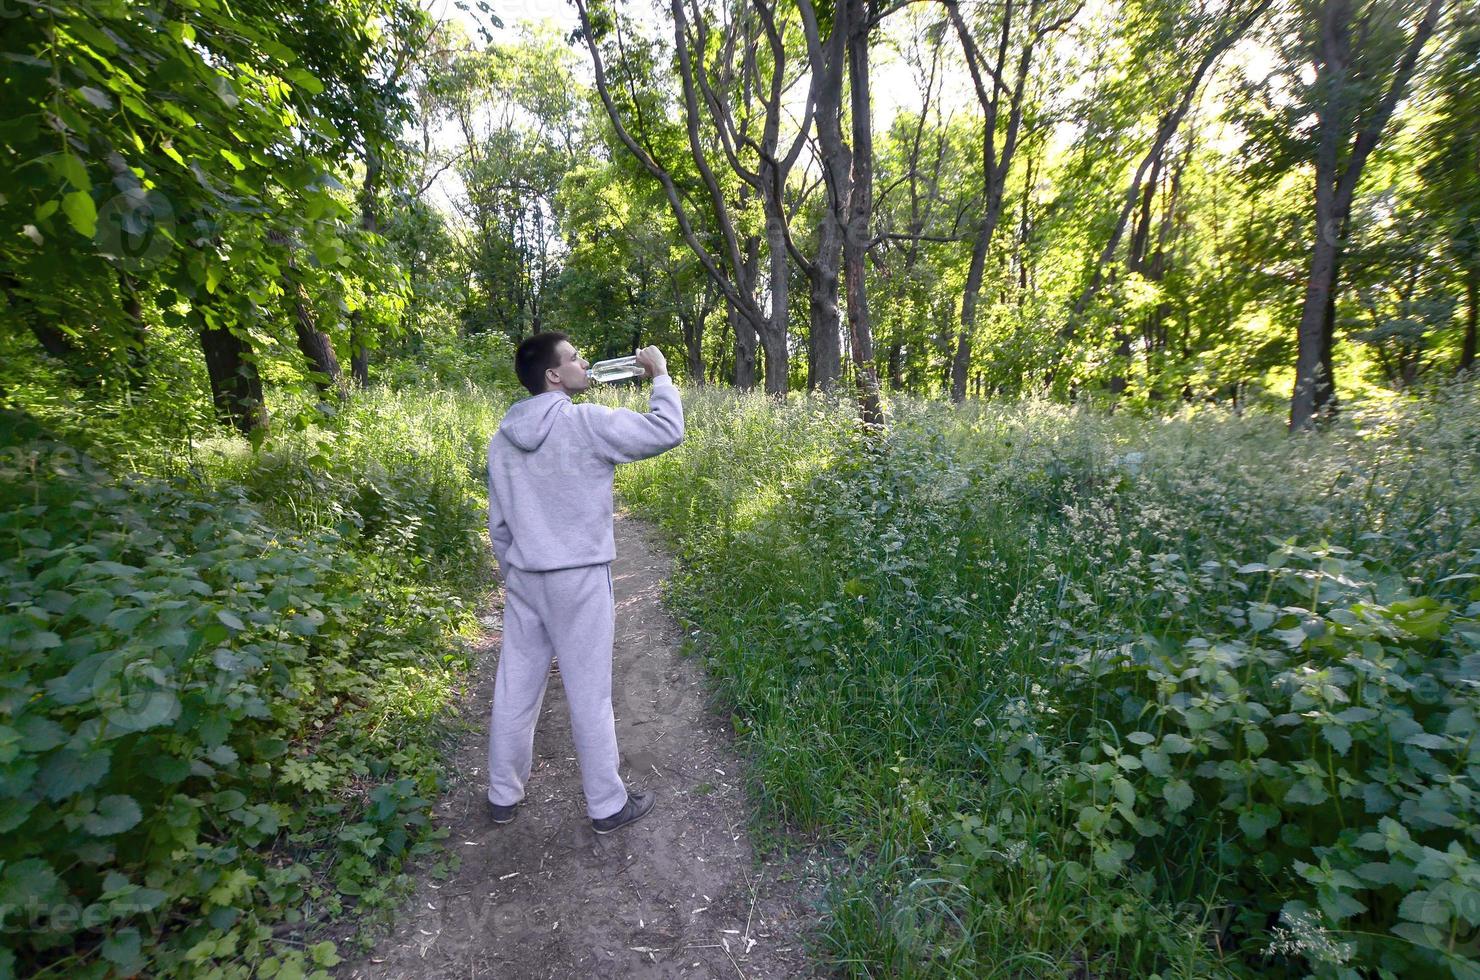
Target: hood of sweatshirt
column 528, row 422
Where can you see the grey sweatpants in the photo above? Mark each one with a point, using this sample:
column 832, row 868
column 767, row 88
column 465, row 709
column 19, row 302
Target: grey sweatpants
column 566, row 614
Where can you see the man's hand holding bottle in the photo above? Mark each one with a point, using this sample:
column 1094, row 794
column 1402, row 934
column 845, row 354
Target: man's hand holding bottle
column 652, row 361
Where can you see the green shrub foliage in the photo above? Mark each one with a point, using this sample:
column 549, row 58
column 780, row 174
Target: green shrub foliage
column 218, row 720
column 1178, row 696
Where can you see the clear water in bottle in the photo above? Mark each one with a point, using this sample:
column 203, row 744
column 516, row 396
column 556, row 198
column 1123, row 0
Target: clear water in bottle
column 616, row 369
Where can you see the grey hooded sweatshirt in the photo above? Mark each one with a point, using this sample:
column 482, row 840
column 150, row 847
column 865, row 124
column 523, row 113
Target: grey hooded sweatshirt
column 550, row 469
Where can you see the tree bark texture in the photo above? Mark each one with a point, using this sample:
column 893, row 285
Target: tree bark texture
column 236, row 388
column 359, row 344
column 860, row 214
column 317, row 348
column 1336, row 184
column 1472, row 300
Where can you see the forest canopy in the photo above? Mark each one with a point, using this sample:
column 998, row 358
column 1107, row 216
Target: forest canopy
column 1148, row 202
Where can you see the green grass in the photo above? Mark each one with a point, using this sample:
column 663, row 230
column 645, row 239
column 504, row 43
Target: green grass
column 950, row 652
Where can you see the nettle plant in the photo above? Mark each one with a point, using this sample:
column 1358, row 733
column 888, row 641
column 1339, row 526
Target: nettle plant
column 198, row 736
column 1316, row 763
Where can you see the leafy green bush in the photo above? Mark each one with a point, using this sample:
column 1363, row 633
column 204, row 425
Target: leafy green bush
column 1318, row 756
column 214, row 721
column 1037, row 672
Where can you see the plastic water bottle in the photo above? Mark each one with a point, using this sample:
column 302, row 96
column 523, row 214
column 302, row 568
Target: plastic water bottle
column 616, row 369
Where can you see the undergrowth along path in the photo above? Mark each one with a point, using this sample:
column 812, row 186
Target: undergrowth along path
column 678, row 894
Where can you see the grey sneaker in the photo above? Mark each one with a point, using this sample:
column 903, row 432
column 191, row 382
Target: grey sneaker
column 502, row 814
column 636, row 807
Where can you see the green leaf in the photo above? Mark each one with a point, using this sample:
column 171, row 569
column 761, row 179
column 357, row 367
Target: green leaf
column 69, row 772
column 14, row 811
column 1340, row 738
column 224, row 90
column 80, row 210
column 232, row 620
column 324, row 954
column 1176, row 744
column 28, row 883
column 114, row 815
column 122, row 948
column 40, row 734
column 1178, row 795
column 1307, row 791
column 1338, row 905
column 96, row 97
column 1424, row 906
column 1292, row 637
column 305, row 80
column 1256, row 823
column 72, row 170
column 1156, row 762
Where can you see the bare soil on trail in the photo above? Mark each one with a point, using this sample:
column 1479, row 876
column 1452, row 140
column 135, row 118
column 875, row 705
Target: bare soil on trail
column 680, row 893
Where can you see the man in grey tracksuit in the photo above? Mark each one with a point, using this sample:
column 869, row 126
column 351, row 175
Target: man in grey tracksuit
column 550, row 469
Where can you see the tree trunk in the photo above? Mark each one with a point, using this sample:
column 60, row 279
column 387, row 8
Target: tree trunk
column 136, row 363
column 1118, row 383
column 824, row 271
column 53, row 341
column 773, row 333
column 996, row 163
column 1336, row 185
column 746, row 334
column 860, row 214
column 693, row 345
column 1166, row 128
column 315, row 345
column 824, row 317
column 961, row 358
column 359, row 346
column 1313, row 383
column 1472, row 300
column 896, row 367
column 236, row 388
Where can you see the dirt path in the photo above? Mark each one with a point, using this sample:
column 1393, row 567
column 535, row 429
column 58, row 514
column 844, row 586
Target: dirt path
column 679, row 894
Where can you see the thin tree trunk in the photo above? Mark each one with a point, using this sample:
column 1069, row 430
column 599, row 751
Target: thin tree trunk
column 315, row 345
column 824, row 317
column 1472, row 299
column 1313, row 383
column 746, row 334
column 359, row 346
column 52, row 340
column 896, row 367
column 1336, row 185
column 693, row 344
column 236, row 388
column 773, row 334
column 961, row 358
column 996, row 163
column 136, row 357
column 1165, row 130
column 860, row 214
column 824, row 270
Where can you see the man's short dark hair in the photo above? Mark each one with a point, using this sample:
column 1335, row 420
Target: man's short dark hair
column 535, row 356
